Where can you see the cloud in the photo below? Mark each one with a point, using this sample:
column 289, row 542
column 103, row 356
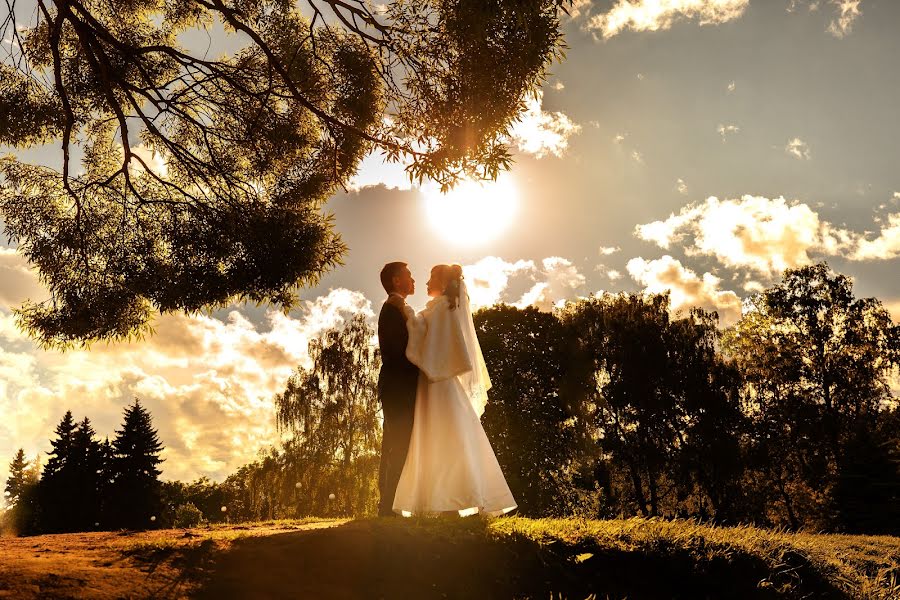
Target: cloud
column 18, row 280
column 611, row 274
column 798, row 149
column 152, row 159
column 547, row 284
column 681, row 186
column 726, row 130
column 731, row 87
column 208, row 383
column 619, row 138
column 654, row 15
column 766, row 236
column 558, row 86
column 686, row 289
column 848, row 11
column 885, row 246
column 794, row 5
column 578, row 8
column 489, row 278
column 753, row 286
column 637, row 157
column 374, row 171
column 539, row 132
column 607, row 250
column 560, row 280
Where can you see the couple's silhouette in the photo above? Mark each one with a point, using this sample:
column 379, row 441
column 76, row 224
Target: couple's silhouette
column 435, row 456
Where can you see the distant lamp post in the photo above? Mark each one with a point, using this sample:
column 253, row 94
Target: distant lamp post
column 225, row 512
column 153, row 519
column 297, row 485
column 331, row 496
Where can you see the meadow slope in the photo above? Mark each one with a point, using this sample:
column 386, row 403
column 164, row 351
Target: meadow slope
column 439, row 558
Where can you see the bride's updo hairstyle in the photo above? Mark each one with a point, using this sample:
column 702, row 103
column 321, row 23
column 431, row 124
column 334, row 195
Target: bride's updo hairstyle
column 451, row 275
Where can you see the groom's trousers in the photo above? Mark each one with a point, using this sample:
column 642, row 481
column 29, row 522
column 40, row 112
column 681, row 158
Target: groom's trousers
column 397, row 383
column 399, row 409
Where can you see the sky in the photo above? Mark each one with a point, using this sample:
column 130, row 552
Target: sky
column 695, row 146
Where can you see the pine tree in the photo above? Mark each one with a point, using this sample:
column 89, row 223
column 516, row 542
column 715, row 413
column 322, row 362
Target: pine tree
column 20, row 494
column 106, row 481
column 17, row 480
column 62, row 446
column 86, row 472
column 57, row 486
column 135, row 493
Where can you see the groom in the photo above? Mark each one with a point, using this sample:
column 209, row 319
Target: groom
column 396, row 382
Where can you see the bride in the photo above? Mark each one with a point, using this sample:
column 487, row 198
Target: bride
column 450, row 466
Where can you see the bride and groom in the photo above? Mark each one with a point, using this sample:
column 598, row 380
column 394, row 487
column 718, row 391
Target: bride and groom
column 435, row 456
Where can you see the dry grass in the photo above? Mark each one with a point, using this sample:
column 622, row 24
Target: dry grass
column 852, row 566
column 861, row 566
column 510, row 557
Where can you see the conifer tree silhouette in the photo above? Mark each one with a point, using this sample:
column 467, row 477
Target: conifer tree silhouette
column 86, row 471
column 58, row 481
column 15, row 483
column 20, row 489
column 135, row 488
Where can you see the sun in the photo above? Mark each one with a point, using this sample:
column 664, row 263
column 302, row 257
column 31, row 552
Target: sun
column 473, row 212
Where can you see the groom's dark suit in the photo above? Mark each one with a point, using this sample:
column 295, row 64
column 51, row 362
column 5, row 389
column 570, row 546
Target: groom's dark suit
column 397, row 393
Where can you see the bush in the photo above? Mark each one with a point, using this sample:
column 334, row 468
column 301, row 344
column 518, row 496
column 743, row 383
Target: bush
column 188, row 515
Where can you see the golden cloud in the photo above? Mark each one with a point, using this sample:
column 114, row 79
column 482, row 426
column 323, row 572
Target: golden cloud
column 686, row 289
column 654, row 15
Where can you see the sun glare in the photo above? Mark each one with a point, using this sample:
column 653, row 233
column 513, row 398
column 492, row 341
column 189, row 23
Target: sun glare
column 472, row 212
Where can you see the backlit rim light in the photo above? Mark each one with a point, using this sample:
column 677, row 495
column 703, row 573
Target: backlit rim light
column 473, row 212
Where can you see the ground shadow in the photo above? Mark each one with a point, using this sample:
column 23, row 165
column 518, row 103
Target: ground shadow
column 175, row 570
column 377, row 559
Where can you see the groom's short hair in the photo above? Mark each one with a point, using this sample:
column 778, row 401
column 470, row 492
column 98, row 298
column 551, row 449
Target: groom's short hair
column 391, row 270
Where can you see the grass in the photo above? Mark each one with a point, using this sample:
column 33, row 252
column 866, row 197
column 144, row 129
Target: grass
column 170, row 539
column 586, row 556
column 436, row 558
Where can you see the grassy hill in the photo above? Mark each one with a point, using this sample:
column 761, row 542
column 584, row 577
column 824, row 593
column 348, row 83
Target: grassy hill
column 438, row 558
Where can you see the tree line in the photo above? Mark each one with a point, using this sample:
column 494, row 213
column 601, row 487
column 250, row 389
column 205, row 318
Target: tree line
column 610, row 407
column 88, row 484
column 614, row 407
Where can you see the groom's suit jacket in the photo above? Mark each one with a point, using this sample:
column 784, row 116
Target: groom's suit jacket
column 397, row 392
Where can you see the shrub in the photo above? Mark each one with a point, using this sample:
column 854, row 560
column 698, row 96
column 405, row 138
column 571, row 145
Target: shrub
column 188, row 515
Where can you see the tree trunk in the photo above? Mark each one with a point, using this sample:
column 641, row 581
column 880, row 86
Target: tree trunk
column 638, row 489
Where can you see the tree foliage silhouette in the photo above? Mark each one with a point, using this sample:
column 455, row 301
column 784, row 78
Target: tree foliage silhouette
column 331, row 411
column 135, row 489
column 20, row 494
column 529, row 419
column 657, row 399
column 202, row 180
column 57, row 486
column 815, row 362
column 17, row 480
column 87, row 469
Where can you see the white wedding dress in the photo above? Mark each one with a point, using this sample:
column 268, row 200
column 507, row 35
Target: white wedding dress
column 450, row 465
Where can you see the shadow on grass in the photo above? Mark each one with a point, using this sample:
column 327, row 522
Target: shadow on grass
column 177, row 569
column 401, row 559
